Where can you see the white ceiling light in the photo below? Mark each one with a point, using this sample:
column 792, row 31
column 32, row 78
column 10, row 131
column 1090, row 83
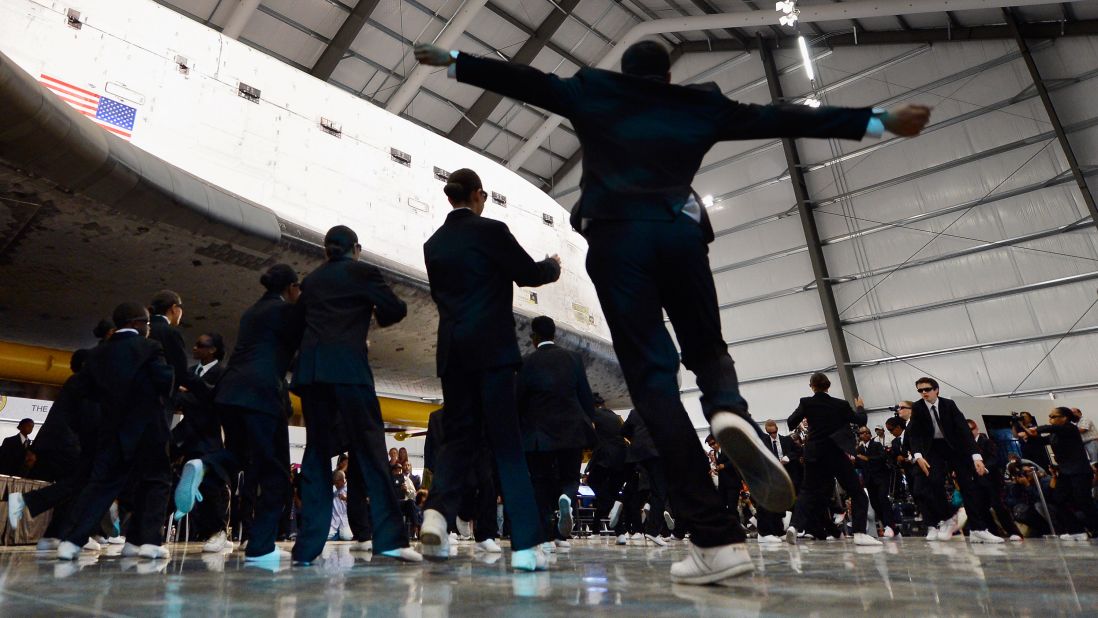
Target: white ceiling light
column 806, row 58
column 707, row 201
column 812, row 102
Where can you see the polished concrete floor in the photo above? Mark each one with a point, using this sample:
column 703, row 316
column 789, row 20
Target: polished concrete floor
column 906, row 577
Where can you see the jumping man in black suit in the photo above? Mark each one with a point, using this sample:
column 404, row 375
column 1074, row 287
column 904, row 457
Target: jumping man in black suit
column 472, row 264
column 332, row 375
column 643, row 141
column 942, row 443
column 555, row 407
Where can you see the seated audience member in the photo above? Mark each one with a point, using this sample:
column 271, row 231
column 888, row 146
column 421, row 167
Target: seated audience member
column 1074, row 476
column 340, row 529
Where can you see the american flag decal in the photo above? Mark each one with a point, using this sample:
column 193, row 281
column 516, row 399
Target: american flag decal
column 114, row 116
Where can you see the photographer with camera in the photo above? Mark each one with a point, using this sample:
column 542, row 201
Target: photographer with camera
column 1073, row 473
column 1034, row 447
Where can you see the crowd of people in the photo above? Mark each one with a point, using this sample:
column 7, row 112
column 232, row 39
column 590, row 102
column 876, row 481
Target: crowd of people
column 512, row 428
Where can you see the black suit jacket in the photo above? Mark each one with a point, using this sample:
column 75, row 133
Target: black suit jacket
column 611, row 448
column 199, row 432
column 641, row 446
column 60, row 433
column 12, row 456
column 643, row 140
column 255, row 378
column 471, row 264
column 920, row 429
column 130, row 379
column 987, row 449
column 788, row 448
column 175, row 350
column 829, row 421
column 1067, row 446
column 555, row 403
column 333, row 314
column 877, row 466
column 436, row 437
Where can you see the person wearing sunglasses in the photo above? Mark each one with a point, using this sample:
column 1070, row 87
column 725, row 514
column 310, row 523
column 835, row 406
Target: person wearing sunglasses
column 942, row 443
column 1073, row 473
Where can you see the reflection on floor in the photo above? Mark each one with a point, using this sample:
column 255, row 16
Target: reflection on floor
column 910, row 576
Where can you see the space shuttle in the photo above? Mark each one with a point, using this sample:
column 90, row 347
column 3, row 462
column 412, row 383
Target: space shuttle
column 140, row 150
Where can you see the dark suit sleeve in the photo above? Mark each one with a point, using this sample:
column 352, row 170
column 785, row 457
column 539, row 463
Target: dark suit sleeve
column 160, row 374
column 175, row 353
column 387, row 307
column 583, row 389
column 519, row 266
column 858, row 415
column 962, row 428
column 916, row 434
column 521, row 392
column 796, row 418
column 629, row 426
column 520, row 82
column 743, row 121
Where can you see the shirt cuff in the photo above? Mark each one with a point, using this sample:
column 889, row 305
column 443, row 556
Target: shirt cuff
column 917, row 456
column 875, row 128
column 452, row 70
column 977, row 457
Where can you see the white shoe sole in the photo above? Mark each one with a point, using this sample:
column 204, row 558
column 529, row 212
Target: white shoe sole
column 770, row 485
column 712, row 578
column 432, row 546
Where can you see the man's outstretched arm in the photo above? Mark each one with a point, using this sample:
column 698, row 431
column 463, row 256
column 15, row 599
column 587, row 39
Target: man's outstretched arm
column 748, row 121
column 510, row 79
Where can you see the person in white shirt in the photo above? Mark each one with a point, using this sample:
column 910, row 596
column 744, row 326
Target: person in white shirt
column 1089, row 433
column 340, row 529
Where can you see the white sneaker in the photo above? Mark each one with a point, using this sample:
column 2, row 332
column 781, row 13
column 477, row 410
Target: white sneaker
column 623, row 539
column 707, row 565
column 362, row 546
column 67, row 551
column 948, row 528
column 932, row 533
column 16, row 506
column 489, row 546
column 770, row 539
column 532, row 559
column 153, row 552
column 863, row 539
column 404, row 554
column 636, row 536
column 47, row 544
column 217, row 544
column 889, row 532
column 1015, row 538
column 1082, row 536
column 548, row 547
column 129, row 550
column 791, row 535
column 562, row 544
column 116, row 540
column 434, row 541
column 564, row 516
column 669, row 520
column 984, row 536
column 464, row 528
column 655, row 539
column 615, row 514
column 92, row 545
column 770, row 485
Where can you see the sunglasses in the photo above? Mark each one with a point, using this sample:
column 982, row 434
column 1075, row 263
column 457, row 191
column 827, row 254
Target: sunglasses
column 203, row 345
column 925, row 390
column 1055, row 416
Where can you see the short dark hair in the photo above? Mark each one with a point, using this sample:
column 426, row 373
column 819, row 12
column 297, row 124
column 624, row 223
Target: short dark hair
column 461, row 184
column 76, row 363
column 339, row 241
column 646, row 59
column 102, row 329
column 896, row 421
column 26, row 420
column 128, row 312
column 161, row 302
column 278, row 277
column 925, row 380
column 819, row 381
column 544, row 327
column 218, row 344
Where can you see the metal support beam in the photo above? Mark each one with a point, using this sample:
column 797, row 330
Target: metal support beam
column 239, row 18
column 482, row 108
column 1053, row 116
column 341, row 42
column 1043, row 30
column 812, row 237
column 445, row 39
